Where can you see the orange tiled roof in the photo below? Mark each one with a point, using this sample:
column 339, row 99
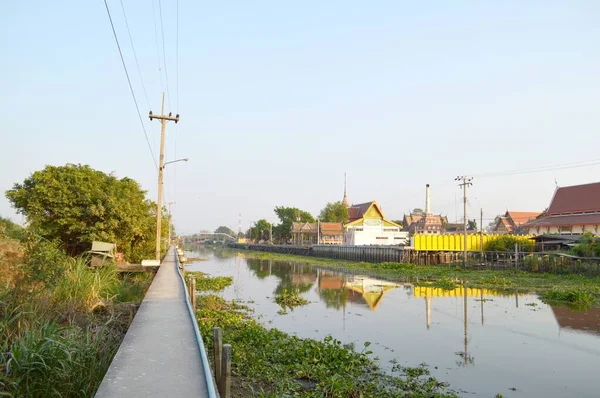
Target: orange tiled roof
column 331, row 227
column 521, row 217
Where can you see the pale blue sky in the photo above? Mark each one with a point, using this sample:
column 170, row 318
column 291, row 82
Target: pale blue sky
column 278, row 99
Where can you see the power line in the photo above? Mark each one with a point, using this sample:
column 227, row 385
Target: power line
column 176, row 92
column 162, row 29
column 157, row 49
column 134, row 54
column 129, row 82
column 177, row 57
column 586, row 163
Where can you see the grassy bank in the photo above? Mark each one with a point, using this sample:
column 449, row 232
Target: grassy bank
column 271, row 363
column 60, row 321
column 446, row 275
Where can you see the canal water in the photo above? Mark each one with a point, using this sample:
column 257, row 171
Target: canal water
column 481, row 342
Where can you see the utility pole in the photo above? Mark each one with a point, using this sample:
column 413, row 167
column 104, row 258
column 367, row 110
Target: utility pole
column 466, row 181
column 161, row 165
column 170, row 220
column 319, row 231
column 481, row 233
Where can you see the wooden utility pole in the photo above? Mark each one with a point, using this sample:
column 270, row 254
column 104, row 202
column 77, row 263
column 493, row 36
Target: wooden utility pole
column 466, row 181
column 481, row 233
column 161, row 165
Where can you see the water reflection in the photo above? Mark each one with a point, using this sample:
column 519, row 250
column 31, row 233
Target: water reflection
column 578, row 321
column 336, row 290
column 479, row 340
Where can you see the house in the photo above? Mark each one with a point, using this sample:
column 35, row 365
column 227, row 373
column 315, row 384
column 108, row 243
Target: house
column 573, row 210
column 304, row 233
column 455, row 227
column 555, row 242
column 322, row 233
column 368, row 226
column 427, row 222
column 331, row 233
column 511, row 221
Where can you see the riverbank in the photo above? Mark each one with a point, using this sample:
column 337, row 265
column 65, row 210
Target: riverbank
column 271, row 363
column 565, row 288
column 61, row 322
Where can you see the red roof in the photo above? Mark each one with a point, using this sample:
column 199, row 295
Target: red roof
column 576, row 199
column 358, row 211
column 563, row 221
column 521, row 217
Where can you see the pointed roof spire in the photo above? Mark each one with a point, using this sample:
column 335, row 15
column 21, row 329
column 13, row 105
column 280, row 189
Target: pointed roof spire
column 345, row 201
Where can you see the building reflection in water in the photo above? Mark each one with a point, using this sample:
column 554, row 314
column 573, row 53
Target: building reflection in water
column 337, row 290
column 587, row 322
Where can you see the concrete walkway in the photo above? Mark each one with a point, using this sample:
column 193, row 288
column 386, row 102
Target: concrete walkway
column 159, row 356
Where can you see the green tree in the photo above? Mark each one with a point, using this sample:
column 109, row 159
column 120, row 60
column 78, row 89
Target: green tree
column 76, row 205
column 334, row 212
column 472, row 225
column 262, row 229
column 225, row 230
column 288, row 215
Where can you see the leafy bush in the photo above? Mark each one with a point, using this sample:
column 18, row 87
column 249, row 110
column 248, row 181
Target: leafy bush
column 588, row 246
column 506, row 243
column 10, row 230
column 44, row 261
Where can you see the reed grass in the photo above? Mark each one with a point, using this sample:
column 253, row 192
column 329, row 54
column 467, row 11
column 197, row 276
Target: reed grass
column 57, row 340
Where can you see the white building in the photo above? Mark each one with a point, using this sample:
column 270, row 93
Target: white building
column 368, row 226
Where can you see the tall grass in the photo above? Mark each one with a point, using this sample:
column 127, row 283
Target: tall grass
column 83, row 289
column 58, row 339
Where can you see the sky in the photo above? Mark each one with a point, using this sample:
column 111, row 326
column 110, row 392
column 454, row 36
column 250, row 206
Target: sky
column 279, row 99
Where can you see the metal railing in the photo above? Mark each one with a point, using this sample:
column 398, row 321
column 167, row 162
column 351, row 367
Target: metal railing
column 210, row 385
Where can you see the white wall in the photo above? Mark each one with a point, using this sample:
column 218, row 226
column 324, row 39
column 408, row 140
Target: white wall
column 370, row 237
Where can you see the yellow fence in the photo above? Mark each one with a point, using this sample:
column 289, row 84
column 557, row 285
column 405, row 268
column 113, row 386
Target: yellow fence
column 454, row 242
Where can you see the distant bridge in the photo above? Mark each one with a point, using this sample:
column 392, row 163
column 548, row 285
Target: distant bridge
column 217, row 234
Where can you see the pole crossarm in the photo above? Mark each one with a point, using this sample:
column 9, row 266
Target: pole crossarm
column 164, row 117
